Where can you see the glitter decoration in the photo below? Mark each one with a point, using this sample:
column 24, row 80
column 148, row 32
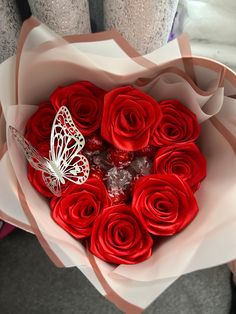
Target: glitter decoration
column 10, row 24
column 65, row 17
column 146, row 24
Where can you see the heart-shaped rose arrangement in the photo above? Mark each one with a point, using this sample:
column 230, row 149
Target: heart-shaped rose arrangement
column 144, row 169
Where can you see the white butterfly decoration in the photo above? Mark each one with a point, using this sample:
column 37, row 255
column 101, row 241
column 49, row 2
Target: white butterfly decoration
column 65, row 162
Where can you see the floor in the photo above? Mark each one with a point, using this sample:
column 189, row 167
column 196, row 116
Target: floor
column 31, row 284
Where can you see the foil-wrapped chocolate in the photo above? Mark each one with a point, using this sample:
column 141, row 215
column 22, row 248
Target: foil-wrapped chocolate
column 142, row 166
column 118, row 180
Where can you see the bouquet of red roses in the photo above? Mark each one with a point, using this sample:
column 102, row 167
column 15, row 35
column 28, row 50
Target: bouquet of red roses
column 144, row 167
column 116, row 146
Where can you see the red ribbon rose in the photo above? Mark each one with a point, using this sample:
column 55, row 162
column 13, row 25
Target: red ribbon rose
column 165, row 204
column 119, row 237
column 184, row 160
column 129, row 118
column 39, row 126
column 35, row 176
column 85, row 103
column 178, row 125
column 79, row 206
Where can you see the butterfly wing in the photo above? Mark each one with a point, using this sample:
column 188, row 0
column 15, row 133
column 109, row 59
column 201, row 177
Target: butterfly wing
column 66, row 143
column 66, row 139
column 38, row 162
column 34, row 158
column 52, row 183
column 65, row 161
column 78, row 172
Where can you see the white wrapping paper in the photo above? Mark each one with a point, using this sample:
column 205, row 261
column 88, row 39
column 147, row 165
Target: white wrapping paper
column 45, row 61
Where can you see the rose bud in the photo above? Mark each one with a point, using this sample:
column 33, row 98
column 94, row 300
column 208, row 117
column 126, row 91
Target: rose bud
column 184, row 160
column 178, row 125
column 119, row 237
column 165, row 204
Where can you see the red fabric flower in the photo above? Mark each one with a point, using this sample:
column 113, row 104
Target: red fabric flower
column 79, row 206
column 178, row 125
column 119, row 237
column 35, row 176
column 165, row 204
column 129, row 118
column 85, row 103
column 184, row 160
column 38, row 127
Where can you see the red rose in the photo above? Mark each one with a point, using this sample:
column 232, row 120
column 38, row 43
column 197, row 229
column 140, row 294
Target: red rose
column 165, row 204
column 85, row 103
column 119, row 237
column 178, row 125
column 184, row 160
column 79, row 207
column 35, row 176
column 38, row 127
column 129, row 118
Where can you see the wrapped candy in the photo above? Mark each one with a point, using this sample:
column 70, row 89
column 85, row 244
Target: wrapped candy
column 118, row 180
column 100, row 161
column 97, row 172
column 94, row 143
column 119, row 158
column 141, row 165
column 118, row 197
